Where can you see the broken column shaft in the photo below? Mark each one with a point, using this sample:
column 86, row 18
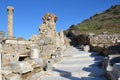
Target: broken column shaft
column 10, row 11
column 0, row 61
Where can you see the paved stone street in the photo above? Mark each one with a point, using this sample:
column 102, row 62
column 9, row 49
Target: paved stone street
column 76, row 65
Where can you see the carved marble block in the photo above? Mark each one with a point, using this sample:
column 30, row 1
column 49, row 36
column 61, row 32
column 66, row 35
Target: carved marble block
column 21, row 67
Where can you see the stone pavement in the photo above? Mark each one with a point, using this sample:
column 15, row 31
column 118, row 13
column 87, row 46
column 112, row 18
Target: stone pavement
column 76, row 65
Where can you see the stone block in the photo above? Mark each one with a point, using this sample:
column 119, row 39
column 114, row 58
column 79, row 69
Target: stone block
column 113, row 56
column 21, row 42
column 38, row 62
column 49, row 65
column 13, row 77
column 115, row 73
column 118, row 41
column 11, row 41
column 34, row 53
column 6, row 70
column 21, row 67
column 116, row 70
column 48, row 40
column 30, row 61
column 24, row 42
column 86, row 48
column 28, row 42
column 41, row 42
column 94, row 45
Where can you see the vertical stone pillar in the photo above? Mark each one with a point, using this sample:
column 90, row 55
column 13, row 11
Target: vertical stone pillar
column 0, row 68
column 0, row 61
column 10, row 11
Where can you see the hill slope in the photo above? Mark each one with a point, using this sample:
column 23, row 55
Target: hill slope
column 107, row 21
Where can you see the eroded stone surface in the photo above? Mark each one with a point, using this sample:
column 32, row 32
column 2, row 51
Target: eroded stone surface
column 76, row 67
column 21, row 67
column 22, row 56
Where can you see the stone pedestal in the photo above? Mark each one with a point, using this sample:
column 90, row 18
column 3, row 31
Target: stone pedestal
column 34, row 53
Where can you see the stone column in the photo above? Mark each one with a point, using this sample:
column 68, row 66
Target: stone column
column 0, row 61
column 0, row 68
column 10, row 11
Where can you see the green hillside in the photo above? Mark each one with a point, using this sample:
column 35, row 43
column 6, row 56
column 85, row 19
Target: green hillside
column 107, row 21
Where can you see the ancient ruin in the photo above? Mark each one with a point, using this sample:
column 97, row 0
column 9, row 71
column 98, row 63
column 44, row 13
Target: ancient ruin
column 49, row 55
column 10, row 11
column 23, row 56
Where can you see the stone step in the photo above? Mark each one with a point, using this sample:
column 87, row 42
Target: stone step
column 80, row 54
column 82, row 72
column 83, row 58
column 87, row 53
column 72, row 78
column 93, row 78
column 76, row 55
column 77, row 64
column 60, row 78
column 95, row 72
column 64, row 75
column 70, row 74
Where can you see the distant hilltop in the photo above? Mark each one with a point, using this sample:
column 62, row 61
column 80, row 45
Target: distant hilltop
column 107, row 21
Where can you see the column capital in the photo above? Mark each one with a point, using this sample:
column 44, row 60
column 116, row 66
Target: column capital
column 10, row 9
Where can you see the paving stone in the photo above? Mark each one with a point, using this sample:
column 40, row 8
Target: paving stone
column 21, row 67
column 76, row 65
column 13, row 77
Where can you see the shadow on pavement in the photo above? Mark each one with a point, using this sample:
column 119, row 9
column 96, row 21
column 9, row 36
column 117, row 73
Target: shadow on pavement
column 66, row 74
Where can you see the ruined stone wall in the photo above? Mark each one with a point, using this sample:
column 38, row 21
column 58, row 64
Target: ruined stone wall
column 105, row 40
column 48, row 42
column 104, row 43
column 21, row 56
column 13, row 49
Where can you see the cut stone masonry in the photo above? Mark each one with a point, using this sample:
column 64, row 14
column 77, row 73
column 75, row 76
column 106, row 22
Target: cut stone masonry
column 23, row 56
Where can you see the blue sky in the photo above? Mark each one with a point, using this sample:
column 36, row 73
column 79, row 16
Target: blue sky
column 28, row 13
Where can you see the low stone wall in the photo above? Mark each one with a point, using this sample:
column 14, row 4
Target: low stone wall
column 14, row 49
column 106, row 44
column 104, row 40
